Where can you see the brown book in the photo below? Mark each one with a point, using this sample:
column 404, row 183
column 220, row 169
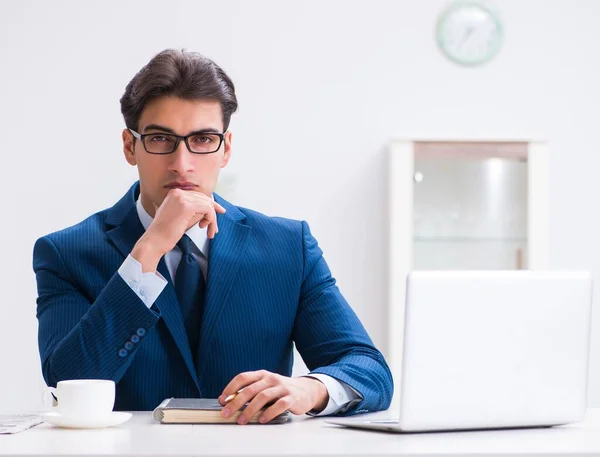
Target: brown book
column 201, row 411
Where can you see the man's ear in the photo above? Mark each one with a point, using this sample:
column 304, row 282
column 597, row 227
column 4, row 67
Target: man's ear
column 227, row 149
column 128, row 147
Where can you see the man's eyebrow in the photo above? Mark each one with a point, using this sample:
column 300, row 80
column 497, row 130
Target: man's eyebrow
column 158, row 127
column 206, row 130
column 168, row 130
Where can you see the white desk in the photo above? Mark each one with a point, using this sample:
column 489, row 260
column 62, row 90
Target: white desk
column 302, row 437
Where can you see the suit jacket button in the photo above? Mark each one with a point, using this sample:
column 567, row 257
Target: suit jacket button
column 135, row 339
column 140, row 332
column 123, row 352
column 129, row 345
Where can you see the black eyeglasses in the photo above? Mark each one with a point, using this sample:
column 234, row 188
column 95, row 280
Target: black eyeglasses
column 166, row 143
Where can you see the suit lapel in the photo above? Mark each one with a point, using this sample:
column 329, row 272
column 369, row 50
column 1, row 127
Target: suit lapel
column 126, row 232
column 224, row 259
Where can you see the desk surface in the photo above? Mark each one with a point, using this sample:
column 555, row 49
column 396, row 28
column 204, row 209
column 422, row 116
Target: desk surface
column 302, row 437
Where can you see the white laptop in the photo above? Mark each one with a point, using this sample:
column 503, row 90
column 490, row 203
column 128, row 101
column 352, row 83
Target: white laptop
column 491, row 349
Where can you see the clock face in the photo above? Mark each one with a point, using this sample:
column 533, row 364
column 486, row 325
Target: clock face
column 469, row 33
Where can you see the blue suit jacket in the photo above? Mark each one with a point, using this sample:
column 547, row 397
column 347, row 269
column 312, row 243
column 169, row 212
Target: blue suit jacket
column 268, row 286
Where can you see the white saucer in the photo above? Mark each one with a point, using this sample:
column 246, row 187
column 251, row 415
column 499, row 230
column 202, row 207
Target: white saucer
column 114, row 418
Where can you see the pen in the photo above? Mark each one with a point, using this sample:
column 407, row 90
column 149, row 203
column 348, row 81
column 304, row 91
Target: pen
column 232, row 396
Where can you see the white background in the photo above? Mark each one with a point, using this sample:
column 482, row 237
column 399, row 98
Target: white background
column 323, row 86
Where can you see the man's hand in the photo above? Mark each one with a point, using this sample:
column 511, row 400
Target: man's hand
column 298, row 395
column 179, row 211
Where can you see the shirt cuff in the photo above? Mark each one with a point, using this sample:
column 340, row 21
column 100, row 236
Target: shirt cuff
column 340, row 394
column 147, row 286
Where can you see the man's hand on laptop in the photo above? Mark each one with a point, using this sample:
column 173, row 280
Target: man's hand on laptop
column 179, row 211
column 260, row 388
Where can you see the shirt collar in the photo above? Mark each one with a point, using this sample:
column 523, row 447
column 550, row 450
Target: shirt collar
column 196, row 234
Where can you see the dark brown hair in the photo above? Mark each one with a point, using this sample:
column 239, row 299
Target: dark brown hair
column 184, row 74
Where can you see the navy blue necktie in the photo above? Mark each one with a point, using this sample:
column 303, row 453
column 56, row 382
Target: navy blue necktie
column 190, row 287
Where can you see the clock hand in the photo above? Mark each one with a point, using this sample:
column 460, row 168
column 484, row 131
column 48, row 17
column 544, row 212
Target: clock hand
column 466, row 35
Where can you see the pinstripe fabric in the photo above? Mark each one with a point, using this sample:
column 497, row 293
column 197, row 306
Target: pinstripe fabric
column 267, row 287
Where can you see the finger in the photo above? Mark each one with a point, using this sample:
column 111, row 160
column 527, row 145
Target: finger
column 258, row 402
column 224, row 400
column 210, row 219
column 202, row 204
column 219, row 208
column 242, row 380
column 203, row 223
column 279, row 407
column 245, row 396
column 200, row 198
column 205, row 212
column 210, row 232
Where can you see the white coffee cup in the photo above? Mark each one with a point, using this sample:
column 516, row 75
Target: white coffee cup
column 84, row 399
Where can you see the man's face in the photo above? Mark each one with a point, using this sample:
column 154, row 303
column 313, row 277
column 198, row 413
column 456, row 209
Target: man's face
column 160, row 173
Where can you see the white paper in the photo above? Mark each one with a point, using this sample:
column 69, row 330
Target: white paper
column 15, row 423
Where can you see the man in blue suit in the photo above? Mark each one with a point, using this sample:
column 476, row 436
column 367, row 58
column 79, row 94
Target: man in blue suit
column 175, row 292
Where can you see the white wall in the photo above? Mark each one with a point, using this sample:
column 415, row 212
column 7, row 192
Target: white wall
column 323, row 86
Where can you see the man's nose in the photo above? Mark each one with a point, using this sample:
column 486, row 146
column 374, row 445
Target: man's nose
column 181, row 159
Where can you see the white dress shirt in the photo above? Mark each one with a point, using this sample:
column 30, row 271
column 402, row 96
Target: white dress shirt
column 148, row 286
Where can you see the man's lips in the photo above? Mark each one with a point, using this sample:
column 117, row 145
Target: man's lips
column 181, row 185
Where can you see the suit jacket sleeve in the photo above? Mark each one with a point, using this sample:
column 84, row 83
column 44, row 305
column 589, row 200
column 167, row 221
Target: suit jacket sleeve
column 332, row 340
column 79, row 338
